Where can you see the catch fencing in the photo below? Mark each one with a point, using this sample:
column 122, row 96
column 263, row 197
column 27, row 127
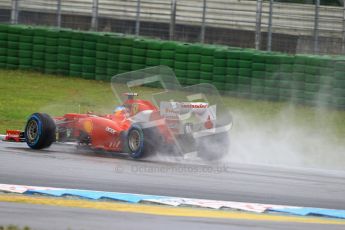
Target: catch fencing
column 263, row 25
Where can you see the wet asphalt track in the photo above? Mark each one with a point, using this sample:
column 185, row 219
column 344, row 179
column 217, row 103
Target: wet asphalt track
column 63, row 166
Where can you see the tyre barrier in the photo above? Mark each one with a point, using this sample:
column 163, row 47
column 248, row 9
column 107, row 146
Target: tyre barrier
column 302, row 79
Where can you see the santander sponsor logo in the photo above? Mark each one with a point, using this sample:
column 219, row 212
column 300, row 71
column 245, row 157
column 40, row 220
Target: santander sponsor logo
column 195, row 105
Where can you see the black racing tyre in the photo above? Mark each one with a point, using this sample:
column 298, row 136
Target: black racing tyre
column 135, row 142
column 40, row 131
column 142, row 142
column 213, row 147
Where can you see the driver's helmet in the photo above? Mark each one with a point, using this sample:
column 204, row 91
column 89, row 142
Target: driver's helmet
column 119, row 109
column 121, row 112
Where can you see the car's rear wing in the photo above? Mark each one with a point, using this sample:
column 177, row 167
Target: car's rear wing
column 198, row 106
column 188, row 117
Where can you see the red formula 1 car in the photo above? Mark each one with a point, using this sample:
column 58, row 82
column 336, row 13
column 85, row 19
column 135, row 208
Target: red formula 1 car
column 121, row 131
column 141, row 127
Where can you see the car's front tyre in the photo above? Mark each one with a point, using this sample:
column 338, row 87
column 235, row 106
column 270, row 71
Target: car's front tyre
column 40, row 131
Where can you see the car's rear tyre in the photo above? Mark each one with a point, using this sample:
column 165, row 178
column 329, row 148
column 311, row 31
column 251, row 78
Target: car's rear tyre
column 135, row 142
column 213, row 147
column 142, row 142
column 40, row 131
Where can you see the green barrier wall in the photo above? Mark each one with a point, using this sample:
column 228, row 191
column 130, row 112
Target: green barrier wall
column 240, row 72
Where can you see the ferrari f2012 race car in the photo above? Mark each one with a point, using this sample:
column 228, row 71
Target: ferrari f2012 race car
column 175, row 120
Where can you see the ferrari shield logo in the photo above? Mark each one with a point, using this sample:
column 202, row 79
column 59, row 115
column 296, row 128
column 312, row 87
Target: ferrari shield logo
column 88, row 126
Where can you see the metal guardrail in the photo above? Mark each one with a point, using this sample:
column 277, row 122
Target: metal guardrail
column 267, row 22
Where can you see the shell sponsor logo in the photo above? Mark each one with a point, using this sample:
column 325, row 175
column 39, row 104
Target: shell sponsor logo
column 88, row 126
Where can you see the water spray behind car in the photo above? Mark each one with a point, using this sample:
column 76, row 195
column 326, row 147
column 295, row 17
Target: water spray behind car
column 283, row 138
